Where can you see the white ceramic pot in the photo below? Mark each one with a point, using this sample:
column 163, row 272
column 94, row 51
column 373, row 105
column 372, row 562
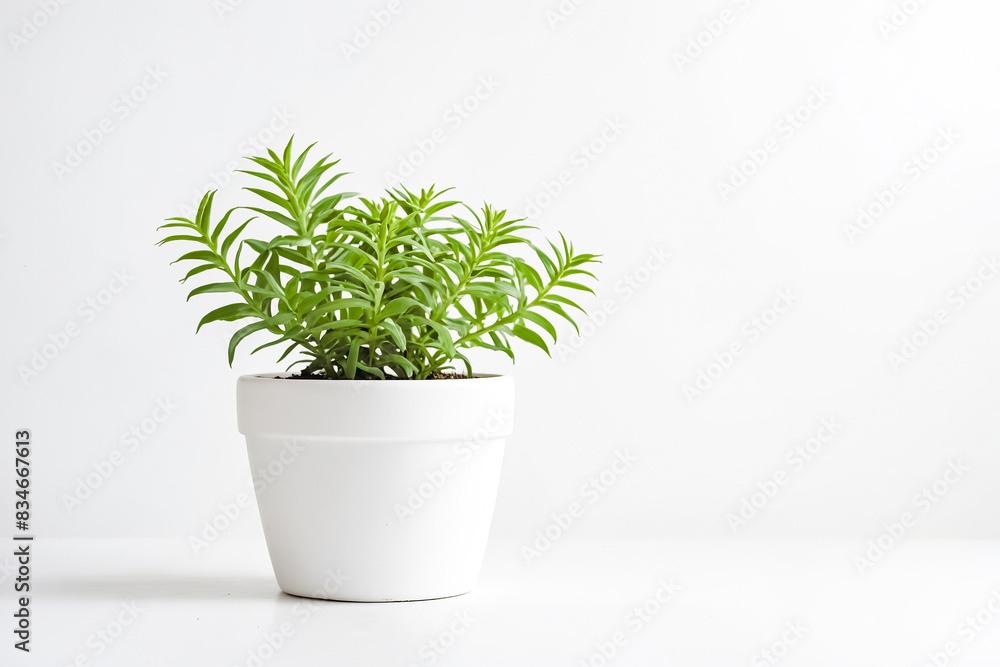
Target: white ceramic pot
column 376, row 490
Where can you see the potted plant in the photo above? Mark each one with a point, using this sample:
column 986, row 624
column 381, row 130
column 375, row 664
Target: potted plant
column 385, row 459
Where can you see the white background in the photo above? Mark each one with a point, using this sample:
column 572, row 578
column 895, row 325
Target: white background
column 684, row 128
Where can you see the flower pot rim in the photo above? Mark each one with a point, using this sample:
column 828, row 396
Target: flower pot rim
column 372, row 409
column 287, row 376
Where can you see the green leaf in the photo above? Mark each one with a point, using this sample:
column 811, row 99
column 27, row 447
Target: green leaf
column 558, row 310
column 444, row 336
column 274, row 199
column 213, row 288
column 181, row 237
column 351, row 363
column 542, row 322
column 201, row 256
column 563, row 300
column 395, row 333
column 274, row 215
column 229, row 240
column 301, row 159
column 198, row 269
column 344, row 304
column 180, row 222
column 286, row 157
column 241, row 334
column 230, row 313
column 529, row 336
column 201, row 219
column 577, row 286
column 407, row 365
column 219, row 227
column 399, row 305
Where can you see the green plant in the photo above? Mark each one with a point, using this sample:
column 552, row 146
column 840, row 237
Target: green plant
column 398, row 286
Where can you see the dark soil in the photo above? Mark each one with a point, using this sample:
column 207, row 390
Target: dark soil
column 447, row 376
column 361, row 375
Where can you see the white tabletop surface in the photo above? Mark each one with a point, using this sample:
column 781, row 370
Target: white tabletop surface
column 723, row 602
